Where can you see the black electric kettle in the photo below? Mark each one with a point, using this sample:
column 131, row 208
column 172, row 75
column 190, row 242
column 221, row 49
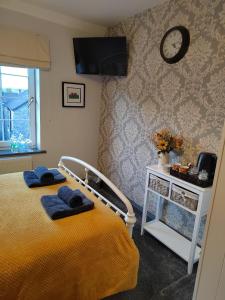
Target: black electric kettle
column 207, row 161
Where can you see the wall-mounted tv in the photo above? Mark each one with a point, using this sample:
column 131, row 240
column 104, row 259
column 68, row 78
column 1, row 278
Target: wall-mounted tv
column 101, row 55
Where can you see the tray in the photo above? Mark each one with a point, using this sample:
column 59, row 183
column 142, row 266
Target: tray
column 191, row 178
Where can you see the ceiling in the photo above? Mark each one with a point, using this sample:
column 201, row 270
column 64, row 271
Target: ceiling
column 102, row 12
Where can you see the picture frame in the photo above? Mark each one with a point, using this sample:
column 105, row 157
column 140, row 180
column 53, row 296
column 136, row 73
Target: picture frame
column 73, row 94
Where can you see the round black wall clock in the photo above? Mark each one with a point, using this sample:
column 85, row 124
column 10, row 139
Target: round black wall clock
column 174, row 44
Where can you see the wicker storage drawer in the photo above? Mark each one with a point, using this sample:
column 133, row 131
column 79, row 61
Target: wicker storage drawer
column 184, row 197
column 159, row 185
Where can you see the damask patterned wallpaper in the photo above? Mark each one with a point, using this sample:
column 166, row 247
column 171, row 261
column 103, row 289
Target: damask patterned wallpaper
column 187, row 97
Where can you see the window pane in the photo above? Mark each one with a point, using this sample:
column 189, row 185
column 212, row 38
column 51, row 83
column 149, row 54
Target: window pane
column 5, row 130
column 21, row 127
column 14, row 97
column 14, row 71
column 11, row 82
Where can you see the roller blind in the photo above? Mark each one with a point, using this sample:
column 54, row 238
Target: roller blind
column 23, row 48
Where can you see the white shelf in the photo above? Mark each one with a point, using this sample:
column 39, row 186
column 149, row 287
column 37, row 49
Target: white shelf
column 173, row 240
column 187, row 250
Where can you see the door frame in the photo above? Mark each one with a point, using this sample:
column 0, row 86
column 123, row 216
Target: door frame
column 211, row 266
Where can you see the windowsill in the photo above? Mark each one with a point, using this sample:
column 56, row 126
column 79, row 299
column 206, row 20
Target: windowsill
column 7, row 152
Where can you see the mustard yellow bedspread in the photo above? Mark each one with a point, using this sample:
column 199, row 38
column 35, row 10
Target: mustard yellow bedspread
column 84, row 257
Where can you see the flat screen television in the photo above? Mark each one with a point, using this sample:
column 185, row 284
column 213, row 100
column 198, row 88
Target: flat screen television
column 101, row 55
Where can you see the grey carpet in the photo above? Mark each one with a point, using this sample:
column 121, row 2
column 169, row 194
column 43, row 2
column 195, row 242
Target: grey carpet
column 162, row 274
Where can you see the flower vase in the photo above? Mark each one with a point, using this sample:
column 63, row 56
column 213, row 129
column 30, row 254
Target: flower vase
column 163, row 161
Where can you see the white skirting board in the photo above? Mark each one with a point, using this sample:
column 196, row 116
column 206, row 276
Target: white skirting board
column 15, row 164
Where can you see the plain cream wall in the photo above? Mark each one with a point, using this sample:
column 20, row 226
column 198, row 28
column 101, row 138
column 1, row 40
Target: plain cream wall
column 64, row 131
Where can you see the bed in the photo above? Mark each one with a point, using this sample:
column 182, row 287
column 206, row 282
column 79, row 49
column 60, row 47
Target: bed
column 83, row 257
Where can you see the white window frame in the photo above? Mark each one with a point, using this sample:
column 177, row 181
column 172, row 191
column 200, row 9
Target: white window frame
column 32, row 89
column 33, row 78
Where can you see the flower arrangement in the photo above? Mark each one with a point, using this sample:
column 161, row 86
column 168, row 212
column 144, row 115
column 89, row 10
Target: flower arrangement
column 164, row 141
column 19, row 143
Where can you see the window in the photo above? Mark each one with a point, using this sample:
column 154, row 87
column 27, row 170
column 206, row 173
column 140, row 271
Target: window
column 17, row 104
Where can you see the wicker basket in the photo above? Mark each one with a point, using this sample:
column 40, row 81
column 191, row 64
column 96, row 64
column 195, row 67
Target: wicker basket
column 159, row 185
column 184, row 197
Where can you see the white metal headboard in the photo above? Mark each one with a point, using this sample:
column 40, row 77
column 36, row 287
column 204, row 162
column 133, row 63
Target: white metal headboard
column 128, row 216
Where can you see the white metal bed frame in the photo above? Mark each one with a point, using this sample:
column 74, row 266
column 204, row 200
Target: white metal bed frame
column 128, row 216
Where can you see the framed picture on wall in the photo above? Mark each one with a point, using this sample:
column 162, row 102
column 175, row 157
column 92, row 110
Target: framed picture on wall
column 73, row 94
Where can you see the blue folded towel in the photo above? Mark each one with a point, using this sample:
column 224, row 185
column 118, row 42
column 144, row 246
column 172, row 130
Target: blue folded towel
column 70, row 197
column 32, row 180
column 44, row 175
column 56, row 208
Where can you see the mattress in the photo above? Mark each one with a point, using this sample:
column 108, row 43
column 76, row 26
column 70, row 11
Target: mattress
column 83, row 257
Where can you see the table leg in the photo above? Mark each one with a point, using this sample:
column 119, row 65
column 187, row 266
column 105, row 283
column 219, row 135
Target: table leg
column 194, row 237
column 145, row 208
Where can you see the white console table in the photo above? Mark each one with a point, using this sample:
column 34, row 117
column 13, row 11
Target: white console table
column 186, row 249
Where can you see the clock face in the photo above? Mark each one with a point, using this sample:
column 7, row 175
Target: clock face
column 172, row 44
